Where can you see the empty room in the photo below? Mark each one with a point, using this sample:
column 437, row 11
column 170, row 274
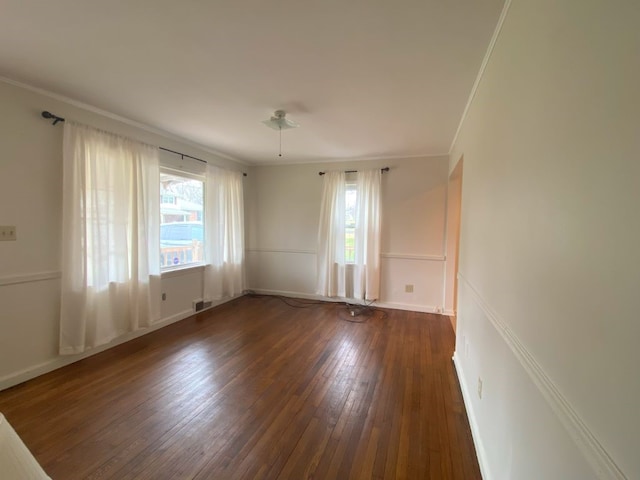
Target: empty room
column 330, row 240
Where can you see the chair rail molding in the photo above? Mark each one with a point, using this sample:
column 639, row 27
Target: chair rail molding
column 410, row 256
column 593, row 451
column 30, row 277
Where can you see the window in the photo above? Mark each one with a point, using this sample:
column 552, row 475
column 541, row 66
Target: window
column 349, row 235
column 181, row 224
column 351, row 195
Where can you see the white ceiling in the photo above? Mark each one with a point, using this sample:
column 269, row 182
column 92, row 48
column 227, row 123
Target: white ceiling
column 364, row 79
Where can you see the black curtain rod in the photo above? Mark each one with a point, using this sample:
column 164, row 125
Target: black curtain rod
column 56, row 119
column 382, row 170
column 189, row 156
column 182, row 154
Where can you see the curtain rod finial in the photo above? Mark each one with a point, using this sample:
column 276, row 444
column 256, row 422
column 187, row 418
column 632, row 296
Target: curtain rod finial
column 49, row 115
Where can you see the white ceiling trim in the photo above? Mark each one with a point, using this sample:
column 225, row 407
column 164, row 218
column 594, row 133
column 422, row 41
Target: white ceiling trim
column 349, row 160
column 483, row 66
column 119, row 118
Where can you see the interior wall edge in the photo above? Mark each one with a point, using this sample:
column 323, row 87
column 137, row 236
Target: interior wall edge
column 592, row 450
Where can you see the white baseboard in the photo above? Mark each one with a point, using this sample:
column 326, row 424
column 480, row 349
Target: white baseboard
column 410, row 307
column 475, row 432
column 312, row 296
column 21, row 376
column 285, row 293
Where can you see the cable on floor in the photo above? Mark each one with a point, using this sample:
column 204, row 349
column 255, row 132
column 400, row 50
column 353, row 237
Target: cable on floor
column 348, row 312
column 292, row 302
column 360, row 313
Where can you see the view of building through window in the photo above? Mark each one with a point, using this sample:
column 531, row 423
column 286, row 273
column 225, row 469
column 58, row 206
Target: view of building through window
column 181, row 222
column 350, row 223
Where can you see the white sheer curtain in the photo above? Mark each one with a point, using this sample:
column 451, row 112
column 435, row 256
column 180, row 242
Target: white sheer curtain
column 336, row 277
column 224, row 234
column 331, row 237
column 366, row 271
column 110, row 255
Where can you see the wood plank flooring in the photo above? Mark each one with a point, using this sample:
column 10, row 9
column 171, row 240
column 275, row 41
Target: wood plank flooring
column 256, row 389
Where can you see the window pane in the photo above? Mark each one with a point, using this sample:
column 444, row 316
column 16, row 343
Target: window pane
column 181, row 228
column 350, row 223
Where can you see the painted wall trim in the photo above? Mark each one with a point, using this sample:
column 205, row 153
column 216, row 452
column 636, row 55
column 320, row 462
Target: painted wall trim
column 279, row 250
column 30, row 277
column 313, row 296
column 599, row 459
column 475, row 431
column 483, row 66
column 409, row 256
column 401, row 256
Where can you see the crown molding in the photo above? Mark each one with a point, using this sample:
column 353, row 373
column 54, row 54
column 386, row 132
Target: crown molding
column 119, row 118
column 483, row 66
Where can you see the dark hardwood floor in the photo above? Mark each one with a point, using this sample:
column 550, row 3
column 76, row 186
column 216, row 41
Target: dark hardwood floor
column 256, row 389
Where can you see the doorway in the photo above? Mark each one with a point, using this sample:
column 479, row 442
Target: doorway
column 454, row 206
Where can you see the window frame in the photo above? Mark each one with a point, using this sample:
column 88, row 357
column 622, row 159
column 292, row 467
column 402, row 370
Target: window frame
column 187, row 176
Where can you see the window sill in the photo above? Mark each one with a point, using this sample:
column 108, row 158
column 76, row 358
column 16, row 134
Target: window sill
column 181, row 270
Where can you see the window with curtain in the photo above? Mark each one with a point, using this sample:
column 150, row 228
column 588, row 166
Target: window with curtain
column 224, row 274
column 110, row 262
column 349, row 236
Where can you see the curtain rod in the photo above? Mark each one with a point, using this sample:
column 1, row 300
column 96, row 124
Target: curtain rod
column 382, row 170
column 189, row 156
column 56, row 119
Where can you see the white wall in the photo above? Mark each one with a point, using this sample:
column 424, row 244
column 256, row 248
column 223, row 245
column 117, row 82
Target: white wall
column 283, row 221
column 549, row 262
column 31, row 198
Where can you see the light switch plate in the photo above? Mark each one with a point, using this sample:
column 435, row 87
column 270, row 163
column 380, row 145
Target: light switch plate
column 7, row 233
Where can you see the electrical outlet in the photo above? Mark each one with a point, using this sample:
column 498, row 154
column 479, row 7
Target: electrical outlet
column 7, row 233
column 408, row 288
column 479, row 388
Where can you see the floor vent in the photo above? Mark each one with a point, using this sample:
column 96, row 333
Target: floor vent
column 201, row 305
